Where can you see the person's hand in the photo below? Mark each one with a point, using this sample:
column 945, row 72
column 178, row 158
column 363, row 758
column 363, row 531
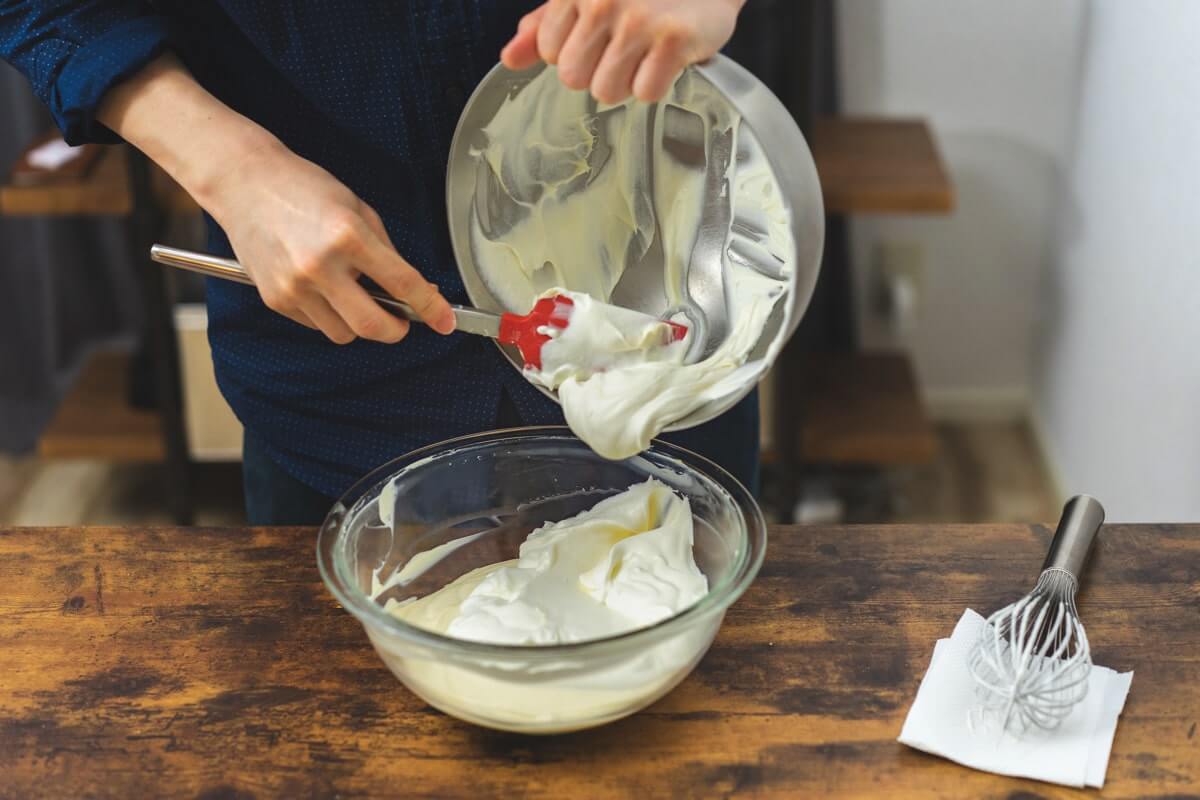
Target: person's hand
column 620, row 47
column 306, row 239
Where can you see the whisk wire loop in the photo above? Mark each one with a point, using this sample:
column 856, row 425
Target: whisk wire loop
column 1032, row 660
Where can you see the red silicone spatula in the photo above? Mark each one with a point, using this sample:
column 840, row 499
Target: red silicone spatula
column 523, row 331
column 526, row 332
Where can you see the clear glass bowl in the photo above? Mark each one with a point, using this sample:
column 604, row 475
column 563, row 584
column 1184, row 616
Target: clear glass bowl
column 497, row 487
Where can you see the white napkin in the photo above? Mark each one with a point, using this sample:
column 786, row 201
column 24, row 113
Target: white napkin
column 942, row 721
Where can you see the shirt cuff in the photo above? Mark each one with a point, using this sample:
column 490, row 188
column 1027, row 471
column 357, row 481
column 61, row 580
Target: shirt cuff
column 98, row 66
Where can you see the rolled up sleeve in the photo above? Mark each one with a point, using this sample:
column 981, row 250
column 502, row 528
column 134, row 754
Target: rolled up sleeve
column 74, row 51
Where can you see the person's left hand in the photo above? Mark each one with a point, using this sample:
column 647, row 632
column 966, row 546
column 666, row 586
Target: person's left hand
column 620, row 47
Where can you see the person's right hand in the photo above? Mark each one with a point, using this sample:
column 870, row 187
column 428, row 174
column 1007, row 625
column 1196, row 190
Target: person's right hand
column 305, row 239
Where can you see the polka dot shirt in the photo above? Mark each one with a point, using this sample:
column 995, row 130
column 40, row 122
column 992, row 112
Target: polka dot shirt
column 371, row 91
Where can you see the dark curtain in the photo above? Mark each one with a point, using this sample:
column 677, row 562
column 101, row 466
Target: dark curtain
column 787, row 44
column 66, row 288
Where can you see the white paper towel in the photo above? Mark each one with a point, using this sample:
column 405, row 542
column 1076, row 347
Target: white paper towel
column 943, row 721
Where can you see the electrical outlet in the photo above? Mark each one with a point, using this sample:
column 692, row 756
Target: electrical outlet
column 902, row 260
column 899, row 281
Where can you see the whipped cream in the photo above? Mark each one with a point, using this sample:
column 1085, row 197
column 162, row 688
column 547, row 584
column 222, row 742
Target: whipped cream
column 600, row 337
column 626, row 563
column 619, row 409
column 578, row 192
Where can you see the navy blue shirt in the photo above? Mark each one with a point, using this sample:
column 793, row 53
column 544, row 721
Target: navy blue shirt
column 371, row 91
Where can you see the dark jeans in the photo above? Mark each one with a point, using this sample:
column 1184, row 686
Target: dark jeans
column 273, row 497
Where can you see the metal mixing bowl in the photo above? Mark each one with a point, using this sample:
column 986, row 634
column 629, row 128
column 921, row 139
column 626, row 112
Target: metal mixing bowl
column 767, row 130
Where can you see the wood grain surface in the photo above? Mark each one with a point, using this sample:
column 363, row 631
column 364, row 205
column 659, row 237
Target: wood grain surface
column 96, row 420
column 880, row 166
column 213, row 663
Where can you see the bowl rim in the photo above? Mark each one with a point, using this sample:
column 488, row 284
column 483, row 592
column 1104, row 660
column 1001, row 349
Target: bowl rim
column 716, row 600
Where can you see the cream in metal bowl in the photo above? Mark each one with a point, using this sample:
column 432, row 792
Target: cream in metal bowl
column 704, row 208
column 482, row 495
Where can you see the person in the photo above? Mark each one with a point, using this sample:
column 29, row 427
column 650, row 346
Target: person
column 315, row 135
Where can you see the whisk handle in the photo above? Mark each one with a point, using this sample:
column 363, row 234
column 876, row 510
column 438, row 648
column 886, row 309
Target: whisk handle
column 1081, row 518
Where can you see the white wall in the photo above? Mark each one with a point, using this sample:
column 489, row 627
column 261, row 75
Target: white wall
column 1118, row 394
column 998, row 82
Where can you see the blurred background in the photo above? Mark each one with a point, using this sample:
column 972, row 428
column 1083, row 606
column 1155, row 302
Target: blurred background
column 1008, row 312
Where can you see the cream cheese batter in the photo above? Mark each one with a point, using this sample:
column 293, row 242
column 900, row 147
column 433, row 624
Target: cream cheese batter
column 419, row 564
column 584, row 190
column 624, row 564
column 572, row 213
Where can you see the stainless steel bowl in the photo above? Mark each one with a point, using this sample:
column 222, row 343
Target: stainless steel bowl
column 767, row 130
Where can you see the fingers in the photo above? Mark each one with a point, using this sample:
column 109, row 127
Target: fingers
column 318, row 286
column 362, row 314
column 521, row 52
column 612, row 81
column 338, row 307
column 301, row 318
column 320, row 315
column 555, row 26
column 300, row 301
column 399, row 279
column 348, row 243
column 612, row 47
column 375, row 223
column 659, row 69
column 585, row 44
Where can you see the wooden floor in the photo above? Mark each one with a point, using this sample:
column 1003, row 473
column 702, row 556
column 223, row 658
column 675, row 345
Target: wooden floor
column 984, row 473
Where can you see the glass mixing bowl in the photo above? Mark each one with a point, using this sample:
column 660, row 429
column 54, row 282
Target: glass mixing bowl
column 486, row 492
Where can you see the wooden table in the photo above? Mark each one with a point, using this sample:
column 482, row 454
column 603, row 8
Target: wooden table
column 213, row 663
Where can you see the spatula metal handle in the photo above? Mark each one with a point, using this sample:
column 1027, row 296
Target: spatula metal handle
column 1081, row 518
column 468, row 320
column 231, row 270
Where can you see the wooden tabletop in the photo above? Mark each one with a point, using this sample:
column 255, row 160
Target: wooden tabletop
column 203, row 662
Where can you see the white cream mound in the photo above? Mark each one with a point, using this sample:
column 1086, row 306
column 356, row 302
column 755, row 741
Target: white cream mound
column 626, row 563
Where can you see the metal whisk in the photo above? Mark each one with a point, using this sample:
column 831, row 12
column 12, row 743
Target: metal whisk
column 1032, row 661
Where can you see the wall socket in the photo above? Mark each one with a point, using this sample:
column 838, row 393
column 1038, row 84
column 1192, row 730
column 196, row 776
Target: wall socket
column 899, row 282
